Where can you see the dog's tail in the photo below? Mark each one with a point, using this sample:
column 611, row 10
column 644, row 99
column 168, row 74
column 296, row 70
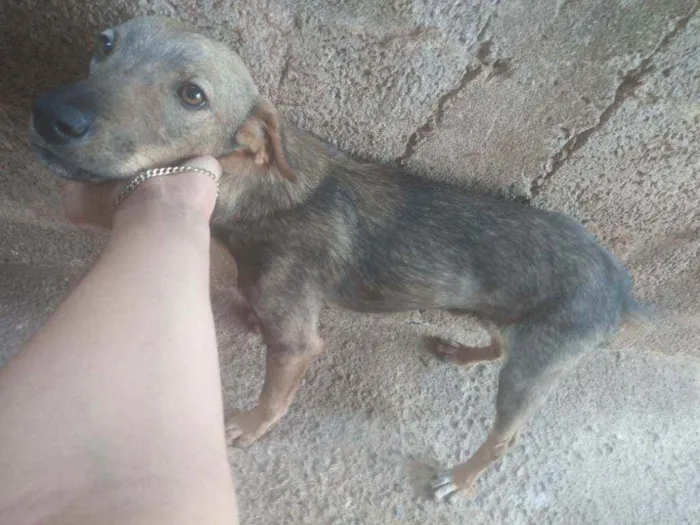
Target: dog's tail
column 634, row 313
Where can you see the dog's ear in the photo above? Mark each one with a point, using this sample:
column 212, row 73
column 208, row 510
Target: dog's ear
column 260, row 138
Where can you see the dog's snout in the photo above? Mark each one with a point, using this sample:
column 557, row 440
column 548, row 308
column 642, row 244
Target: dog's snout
column 59, row 122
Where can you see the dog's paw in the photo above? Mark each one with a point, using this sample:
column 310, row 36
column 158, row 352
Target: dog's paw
column 445, row 487
column 440, row 348
column 243, row 428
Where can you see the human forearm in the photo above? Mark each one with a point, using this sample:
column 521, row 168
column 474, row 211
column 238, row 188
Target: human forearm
column 139, row 330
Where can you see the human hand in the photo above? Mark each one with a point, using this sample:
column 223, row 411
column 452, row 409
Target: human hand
column 88, row 204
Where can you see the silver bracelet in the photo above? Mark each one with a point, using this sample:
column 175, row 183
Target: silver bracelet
column 159, row 172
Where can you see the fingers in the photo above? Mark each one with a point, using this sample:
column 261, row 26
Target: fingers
column 88, row 203
column 91, row 204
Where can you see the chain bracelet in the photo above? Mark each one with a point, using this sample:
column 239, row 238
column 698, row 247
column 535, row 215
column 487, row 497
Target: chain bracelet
column 159, row 172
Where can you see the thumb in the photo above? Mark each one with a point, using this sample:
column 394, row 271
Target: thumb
column 88, row 203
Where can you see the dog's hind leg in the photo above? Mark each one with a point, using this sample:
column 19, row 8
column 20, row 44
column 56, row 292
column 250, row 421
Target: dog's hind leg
column 537, row 357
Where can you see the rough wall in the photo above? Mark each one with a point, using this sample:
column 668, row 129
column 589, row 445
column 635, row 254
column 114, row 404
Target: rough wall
column 590, row 107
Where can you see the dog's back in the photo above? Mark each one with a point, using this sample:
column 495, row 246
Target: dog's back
column 402, row 242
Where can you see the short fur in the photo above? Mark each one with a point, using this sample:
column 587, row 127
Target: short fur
column 310, row 226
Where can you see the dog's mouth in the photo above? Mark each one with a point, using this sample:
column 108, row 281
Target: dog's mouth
column 63, row 169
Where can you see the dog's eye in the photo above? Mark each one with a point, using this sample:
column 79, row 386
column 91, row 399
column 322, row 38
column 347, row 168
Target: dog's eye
column 192, row 95
column 105, row 45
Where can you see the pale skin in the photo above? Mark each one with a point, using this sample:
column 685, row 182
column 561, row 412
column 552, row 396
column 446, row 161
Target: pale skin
column 112, row 413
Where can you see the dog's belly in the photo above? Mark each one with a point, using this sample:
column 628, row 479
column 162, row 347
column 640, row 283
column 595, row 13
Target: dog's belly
column 458, row 293
column 388, row 296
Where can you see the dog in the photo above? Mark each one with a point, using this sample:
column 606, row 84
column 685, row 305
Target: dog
column 310, row 226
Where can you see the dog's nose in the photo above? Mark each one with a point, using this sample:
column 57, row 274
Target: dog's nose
column 58, row 122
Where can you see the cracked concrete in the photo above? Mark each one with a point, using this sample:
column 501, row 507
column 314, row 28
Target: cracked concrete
column 635, row 187
column 560, row 86
column 435, row 119
column 588, row 107
column 629, row 82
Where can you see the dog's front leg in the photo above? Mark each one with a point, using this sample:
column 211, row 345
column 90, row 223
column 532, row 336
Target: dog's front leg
column 290, row 352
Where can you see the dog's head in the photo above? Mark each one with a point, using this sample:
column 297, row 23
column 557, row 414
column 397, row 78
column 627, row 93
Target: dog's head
column 158, row 92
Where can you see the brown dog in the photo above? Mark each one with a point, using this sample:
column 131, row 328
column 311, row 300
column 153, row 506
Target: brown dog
column 310, row 226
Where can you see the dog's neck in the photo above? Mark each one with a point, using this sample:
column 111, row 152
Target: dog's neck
column 249, row 192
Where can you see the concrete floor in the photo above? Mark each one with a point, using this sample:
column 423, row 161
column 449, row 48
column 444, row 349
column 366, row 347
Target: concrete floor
column 588, row 107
